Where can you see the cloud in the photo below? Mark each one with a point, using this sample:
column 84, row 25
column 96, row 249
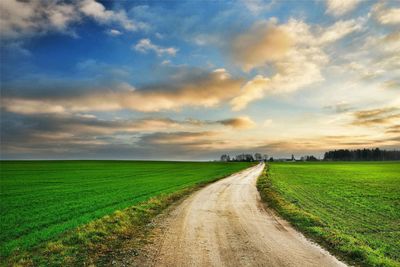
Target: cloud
column 18, row 18
column 113, row 32
column 86, row 136
column 191, row 143
column 341, row 107
column 258, row 6
column 36, row 132
column 267, row 42
column 395, row 129
column 294, row 50
column 322, row 143
column 384, row 52
column 205, row 90
column 145, row 45
column 339, row 30
column 391, row 84
column 98, row 12
column 252, row 90
column 26, row 106
column 29, row 18
column 375, row 58
column 190, row 139
column 378, row 116
column 239, row 122
column 341, row 7
column 385, row 15
column 264, row 42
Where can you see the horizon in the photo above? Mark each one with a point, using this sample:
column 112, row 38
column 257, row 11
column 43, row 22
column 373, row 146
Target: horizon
column 299, row 157
column 190, row 81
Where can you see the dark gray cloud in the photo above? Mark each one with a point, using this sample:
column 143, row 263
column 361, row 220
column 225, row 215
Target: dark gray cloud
column 65, row 135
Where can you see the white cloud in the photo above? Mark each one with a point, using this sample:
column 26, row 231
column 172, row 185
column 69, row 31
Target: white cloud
column 377, row 58
column 341, row 7
column 294, row 50
column 26, row 106
column 145, row 45
column 19, row 18
column 98, row 12
column 113, row 32
column 61, row 15
column 258, row 6
column 252, row 90
column 29, row 18
column 264, row 42
column 386, row 16
column 339, row 30
column 297, row 66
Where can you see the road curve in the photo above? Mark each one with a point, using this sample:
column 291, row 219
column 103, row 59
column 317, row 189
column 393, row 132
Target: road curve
column 225, row 224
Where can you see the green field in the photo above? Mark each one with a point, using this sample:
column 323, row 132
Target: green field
column 353, row 208
column 42, row 199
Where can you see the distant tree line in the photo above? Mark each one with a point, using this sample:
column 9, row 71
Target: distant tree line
column 375, row 154
column 245, row 157
column 362, row 155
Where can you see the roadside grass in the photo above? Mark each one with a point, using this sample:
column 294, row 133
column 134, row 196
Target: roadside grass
column 43, row 203
column 107, row 241
column 352, row 209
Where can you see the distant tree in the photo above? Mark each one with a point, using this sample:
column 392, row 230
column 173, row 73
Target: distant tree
column 249, row 158
column 225, row 158
column 244, row 157
column 271, row 159
column 258, row 157
column 311, row 158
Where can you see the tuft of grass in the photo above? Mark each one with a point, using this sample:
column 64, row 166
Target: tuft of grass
column 331, row 203
column 105, row 241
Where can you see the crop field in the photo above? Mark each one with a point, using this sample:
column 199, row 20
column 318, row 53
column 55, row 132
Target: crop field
column 354, row 208
column 42, row 199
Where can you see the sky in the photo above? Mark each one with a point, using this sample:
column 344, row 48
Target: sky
column 191, row 80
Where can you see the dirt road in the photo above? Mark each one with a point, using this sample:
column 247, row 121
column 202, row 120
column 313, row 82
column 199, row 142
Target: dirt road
column 225, row 224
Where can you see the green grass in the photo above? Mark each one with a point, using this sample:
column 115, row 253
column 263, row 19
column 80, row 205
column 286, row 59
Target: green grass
column 40, row 200
column 351, row 208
